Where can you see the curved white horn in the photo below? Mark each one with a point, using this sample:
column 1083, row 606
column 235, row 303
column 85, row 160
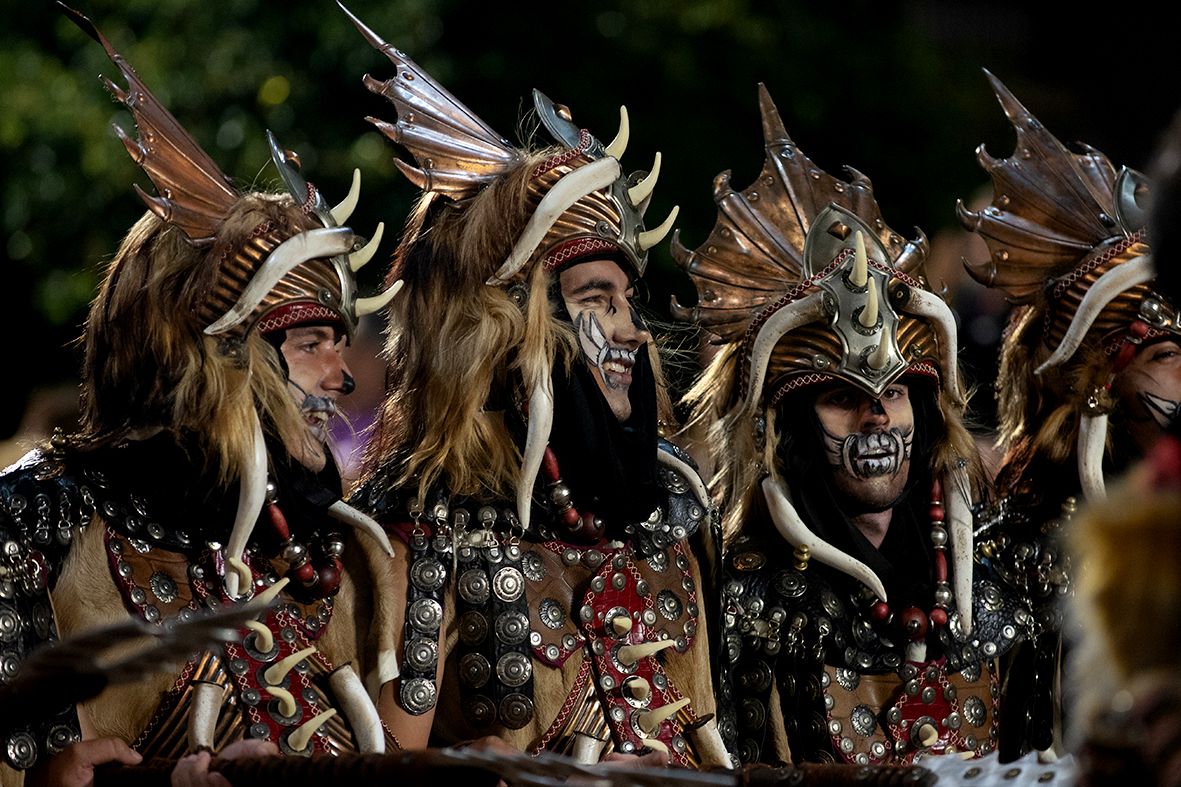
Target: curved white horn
column 959, row 527
column 879, row 359
column 369, row 305
column 642, row 190
column 691, row 476
column 343, row 512
column 541, row 421
column 299, row 740
column 358, row 258
column 265, row 597
column 929, row 305
column 358, row 709
column 808, row 309
column 869, row 315
column 567, row 191
column 860, row 261
column 1092, row 443
column 795, row 532
column 310, row 245
column 1105, row 289
column 203, row 713
column 619, row 144
column 252, row 492
column 649, row 238
column 341, row 213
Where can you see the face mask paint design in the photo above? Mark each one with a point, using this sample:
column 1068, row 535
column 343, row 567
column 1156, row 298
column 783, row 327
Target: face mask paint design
column 869, row 455
column 614, row 363
column 317, row 410
column 1162, row 410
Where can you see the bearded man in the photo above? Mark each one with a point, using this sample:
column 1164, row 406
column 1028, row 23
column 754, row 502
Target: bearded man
column 855, row 628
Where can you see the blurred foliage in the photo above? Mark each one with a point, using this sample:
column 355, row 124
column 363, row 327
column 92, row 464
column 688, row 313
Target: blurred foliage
column 893, row 89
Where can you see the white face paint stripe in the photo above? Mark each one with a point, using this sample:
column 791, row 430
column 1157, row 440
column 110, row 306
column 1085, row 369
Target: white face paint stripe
column 597, row 349
column 1163, row 411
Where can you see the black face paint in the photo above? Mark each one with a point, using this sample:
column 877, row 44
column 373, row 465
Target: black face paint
column 348, row 384
column 1163, row 411
column 868, row 455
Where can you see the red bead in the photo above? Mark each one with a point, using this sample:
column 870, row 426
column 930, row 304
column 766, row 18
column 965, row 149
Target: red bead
column 940, row 566
column 329, row 576
column 939, row 617
column 880, row 611
column 935, row 512
column 571, row 518
column 1139, row 329
column 306, row 574
column 592, row 527
column 936, row 489
column 914, row 622
column 278, row 521
column 549, row 465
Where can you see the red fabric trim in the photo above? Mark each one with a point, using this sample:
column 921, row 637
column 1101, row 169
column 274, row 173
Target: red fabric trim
column 298, row 313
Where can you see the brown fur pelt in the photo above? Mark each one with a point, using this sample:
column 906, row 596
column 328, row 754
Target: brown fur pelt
column 1128, row 594
column 149, row 366
column 1039, row 414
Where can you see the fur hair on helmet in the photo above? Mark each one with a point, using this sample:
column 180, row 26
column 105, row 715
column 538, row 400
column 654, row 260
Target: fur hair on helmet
column 148, row 365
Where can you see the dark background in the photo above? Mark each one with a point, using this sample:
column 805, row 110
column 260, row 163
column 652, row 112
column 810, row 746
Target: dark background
column 894, row 89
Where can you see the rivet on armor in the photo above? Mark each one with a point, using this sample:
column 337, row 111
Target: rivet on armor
column 426, row 614
column 551, row 614
column 514, row 669
column 474, row 670
column 417, row 695
column 512, row 627
column 508, row 584
column 515, row 710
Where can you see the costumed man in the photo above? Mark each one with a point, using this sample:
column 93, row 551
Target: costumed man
column 199, row 478
column 854, row 627
column 552, row 594
column 1090, row 374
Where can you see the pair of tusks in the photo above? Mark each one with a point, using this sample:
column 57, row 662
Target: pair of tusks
column 541, row 421
column 959, row 525
column 314, row 244
column 584, row 180
column 879, row 359
column 252, row 495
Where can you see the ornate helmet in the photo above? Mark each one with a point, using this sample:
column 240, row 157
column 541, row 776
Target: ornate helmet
column 580, row 204
column 275, row 280
column 1066, row 232
column 279, row 278
column 802, row 282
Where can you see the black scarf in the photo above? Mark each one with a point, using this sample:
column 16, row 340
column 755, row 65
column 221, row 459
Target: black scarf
column 609, row 466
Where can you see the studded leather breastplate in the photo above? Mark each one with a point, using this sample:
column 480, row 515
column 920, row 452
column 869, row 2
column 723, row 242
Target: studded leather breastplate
column 42, row 508
column 844, row 687
column 524, row 605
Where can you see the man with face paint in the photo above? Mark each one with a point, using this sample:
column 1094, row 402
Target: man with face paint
column 855, row 626
column 312, row 349
column 1090, row 376
column 553, row 594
